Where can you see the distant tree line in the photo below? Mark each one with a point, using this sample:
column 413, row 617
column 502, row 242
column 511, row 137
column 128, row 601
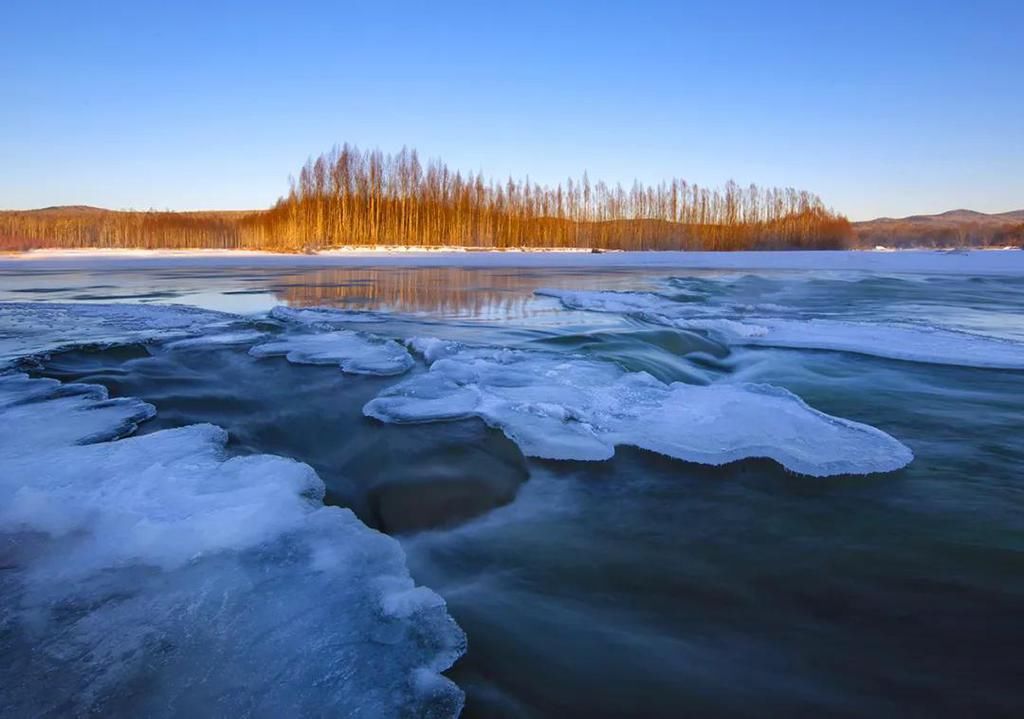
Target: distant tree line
column 88, row 227
column 354, row 197
column 907, row 233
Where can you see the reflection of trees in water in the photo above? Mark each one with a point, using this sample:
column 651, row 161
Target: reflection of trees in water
column 441, row 290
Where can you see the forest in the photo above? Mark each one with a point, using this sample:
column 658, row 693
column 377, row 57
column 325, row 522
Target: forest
column 352, row 197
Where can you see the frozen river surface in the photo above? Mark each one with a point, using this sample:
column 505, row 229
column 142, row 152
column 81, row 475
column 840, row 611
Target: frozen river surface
column 515, row 485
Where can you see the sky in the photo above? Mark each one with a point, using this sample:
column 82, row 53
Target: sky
column 881, row 108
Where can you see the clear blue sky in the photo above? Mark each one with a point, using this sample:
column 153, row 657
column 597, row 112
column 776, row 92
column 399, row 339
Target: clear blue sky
column 882, row 108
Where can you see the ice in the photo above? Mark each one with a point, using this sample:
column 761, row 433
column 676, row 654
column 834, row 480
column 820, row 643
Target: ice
column 75, row 414
column 640, row 303
column 914, row 343
column 36, row 328
column 323, row 317
column 891, row 340
column 432, row 348
column 157, row 575
column 558, row 406
column 218, row 339
column 354, row 352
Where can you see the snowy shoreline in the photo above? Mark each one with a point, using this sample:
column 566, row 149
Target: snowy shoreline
column 1000, row 262
column 47, row 253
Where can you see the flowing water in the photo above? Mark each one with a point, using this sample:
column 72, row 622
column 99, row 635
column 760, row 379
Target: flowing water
column 641, row 584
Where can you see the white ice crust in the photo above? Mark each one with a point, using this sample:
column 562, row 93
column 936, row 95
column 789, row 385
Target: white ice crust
column 899, row 341
column 567, row 407
column 157, row 576
column 354, row 352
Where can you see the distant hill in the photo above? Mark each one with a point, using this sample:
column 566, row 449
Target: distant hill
column 68, row 210
column 955, row 228
column 89, row 210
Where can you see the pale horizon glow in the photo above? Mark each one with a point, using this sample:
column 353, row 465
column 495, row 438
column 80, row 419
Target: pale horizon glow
column 882, row 109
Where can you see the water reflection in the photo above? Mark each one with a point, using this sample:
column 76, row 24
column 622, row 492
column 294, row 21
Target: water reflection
column 457, row 293
column 452, row 292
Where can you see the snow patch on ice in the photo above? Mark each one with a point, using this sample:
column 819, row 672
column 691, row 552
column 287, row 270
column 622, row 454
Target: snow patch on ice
column 354, row 352
column 432, row 349
column 567, row 407
column 159, row 561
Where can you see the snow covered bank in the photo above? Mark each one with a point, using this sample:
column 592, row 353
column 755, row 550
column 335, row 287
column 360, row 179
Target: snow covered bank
column 57, row 253
column 988, row 262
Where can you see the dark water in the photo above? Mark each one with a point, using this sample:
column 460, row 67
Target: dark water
column 646, row 586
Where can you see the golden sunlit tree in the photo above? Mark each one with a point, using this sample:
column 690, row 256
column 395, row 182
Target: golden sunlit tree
column 353, row 197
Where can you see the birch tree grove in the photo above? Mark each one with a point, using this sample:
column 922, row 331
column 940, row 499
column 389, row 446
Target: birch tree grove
column 354, row 197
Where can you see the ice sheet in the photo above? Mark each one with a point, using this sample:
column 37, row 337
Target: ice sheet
column 219, row 339
column 324, row 317
column 893, row 341
column 354, row 352
column 899, row 341
column 36, row 328
column 568, row 407
column 158, row 576
column 75, row 414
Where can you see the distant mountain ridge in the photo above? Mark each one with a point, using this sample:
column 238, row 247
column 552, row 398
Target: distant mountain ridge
column 954, row 228
column 80, row 210
column 961, row 215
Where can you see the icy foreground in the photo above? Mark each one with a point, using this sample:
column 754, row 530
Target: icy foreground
column 156, row 576
column 914, row 343
column 568, row 407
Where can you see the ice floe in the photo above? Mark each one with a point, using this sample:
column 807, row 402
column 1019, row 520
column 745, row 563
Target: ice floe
column 914, row 343
column 433, row 348
column 74, row 414
column 899, row 341
column 156, row 575
column 559, row 406
column 218, row 339
column 35, row 328
column 326, row 317
column 354, row 352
